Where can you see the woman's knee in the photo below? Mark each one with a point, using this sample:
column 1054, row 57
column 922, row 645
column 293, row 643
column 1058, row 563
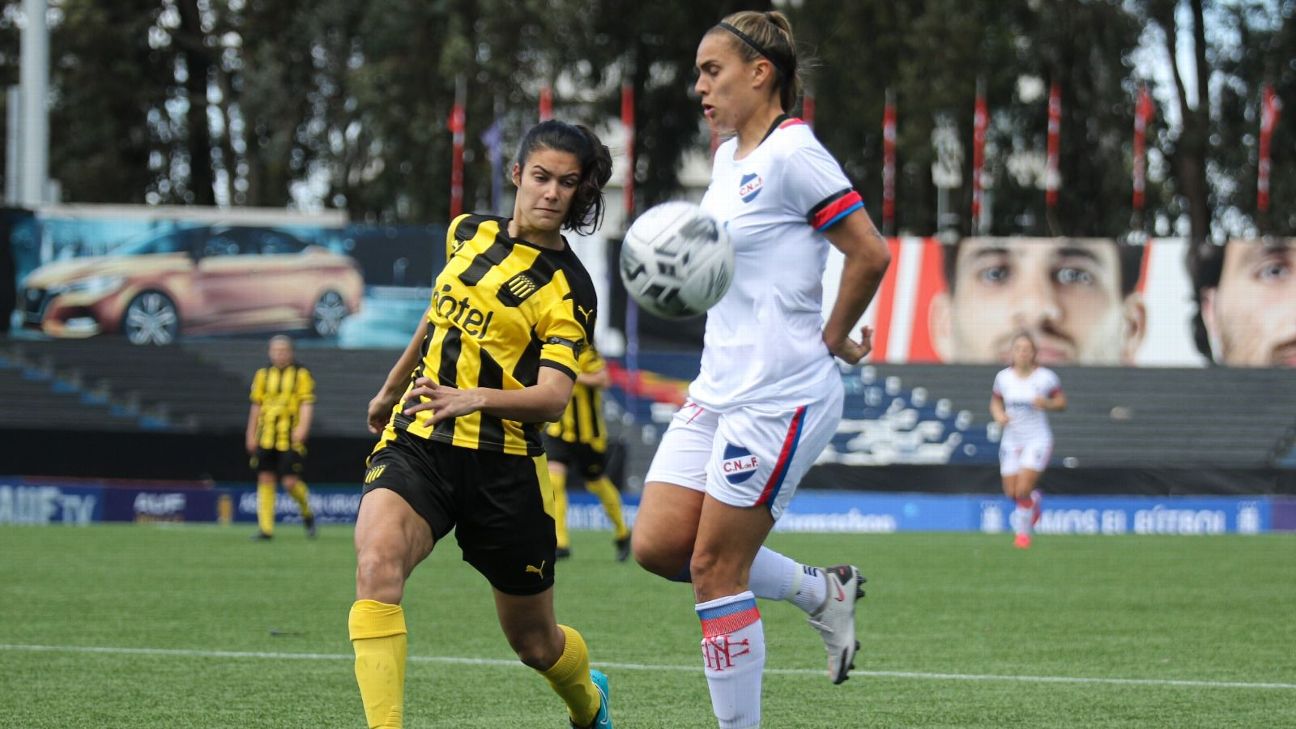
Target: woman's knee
column 713, row 573
column 660, row 557
column 380, row 575
column 538, row 649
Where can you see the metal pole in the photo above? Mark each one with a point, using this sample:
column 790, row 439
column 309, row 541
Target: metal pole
column 13, row 150
column 34, row 174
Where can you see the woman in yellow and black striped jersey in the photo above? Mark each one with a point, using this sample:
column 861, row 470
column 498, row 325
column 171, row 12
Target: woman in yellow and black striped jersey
column 279, row 422
column 579, row 440
column 460, row 416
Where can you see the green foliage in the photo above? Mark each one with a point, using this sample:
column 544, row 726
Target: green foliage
column 198, row 627
column 932, row 53
column 108, row 140
column 345, row 104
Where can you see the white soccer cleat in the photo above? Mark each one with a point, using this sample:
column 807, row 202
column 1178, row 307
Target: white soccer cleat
column 835, row 619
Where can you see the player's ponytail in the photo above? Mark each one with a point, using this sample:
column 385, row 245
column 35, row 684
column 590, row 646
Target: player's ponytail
column 767, row 35
column 586, row 212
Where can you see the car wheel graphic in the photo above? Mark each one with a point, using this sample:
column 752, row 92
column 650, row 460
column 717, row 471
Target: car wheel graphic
column 327, row 314
column 151, row 318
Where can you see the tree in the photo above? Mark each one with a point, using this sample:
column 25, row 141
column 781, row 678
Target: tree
column 1265, row 35
column 653, row 45
column 1188, row 148
column 932, row 53
column 109, row 138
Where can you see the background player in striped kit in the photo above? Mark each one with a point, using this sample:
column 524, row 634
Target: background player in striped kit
column 579, row 440
column 279, row 422
column 769, row 395
column 460, row 416
column 1023, row 393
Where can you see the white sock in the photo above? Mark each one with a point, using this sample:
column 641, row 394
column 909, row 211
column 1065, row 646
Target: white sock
column 1022, row 520
column 776, row 576
column 733, row 653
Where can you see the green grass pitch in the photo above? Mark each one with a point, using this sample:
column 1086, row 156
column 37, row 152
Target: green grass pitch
column 140, row 626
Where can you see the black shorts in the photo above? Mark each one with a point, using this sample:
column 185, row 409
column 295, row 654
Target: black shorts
column 498, row 504
column 579, row 457
column 291, row 462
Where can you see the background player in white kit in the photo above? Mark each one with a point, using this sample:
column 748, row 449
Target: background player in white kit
column 1023, row 392
column 769, row 396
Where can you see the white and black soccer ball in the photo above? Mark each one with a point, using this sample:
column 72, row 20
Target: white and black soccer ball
column 676, row 260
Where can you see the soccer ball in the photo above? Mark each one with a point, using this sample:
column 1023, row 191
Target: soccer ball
column 676, row 260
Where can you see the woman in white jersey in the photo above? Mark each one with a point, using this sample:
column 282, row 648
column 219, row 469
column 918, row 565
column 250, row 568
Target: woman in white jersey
column 1023, row 393
column 769, row 396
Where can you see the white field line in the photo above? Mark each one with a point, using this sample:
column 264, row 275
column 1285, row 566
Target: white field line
column 459, row 660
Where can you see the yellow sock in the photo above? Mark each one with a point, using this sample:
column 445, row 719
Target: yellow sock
column 378, row 636
column 607, row 495
column 570, row 679
column 301, row 494
column 266, row 507
column 558, row 484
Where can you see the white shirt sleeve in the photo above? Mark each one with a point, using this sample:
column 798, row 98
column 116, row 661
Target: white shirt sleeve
column 815, row 187
column 1052, row 385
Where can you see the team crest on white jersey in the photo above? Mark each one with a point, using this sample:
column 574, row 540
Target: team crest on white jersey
column 739, row 464
column 750, row 186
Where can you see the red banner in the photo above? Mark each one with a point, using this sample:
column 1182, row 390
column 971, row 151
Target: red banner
column 980, row 120
column 546, row 103
column 1143, row 111
column 457, row 124
column 888, row 164
column 1269, row 108
column 1052, row 177
column 628, row 121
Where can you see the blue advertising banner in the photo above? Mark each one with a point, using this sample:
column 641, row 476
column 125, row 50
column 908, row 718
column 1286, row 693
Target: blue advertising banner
column 23, row 503
column 866, row 513
column 330, row 506
column 160, row 505
column 1186, row 515
column 27, row 501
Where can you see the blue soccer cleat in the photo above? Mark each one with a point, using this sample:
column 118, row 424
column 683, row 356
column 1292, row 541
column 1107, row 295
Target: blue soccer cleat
column 603, row 719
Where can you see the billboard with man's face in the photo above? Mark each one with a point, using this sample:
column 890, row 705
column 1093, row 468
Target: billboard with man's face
column 1087, row 301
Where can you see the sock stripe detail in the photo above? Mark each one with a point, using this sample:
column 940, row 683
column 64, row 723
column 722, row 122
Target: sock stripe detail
column 728, row 618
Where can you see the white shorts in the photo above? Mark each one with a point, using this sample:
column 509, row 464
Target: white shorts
column 753, row 456
column 1033, row 454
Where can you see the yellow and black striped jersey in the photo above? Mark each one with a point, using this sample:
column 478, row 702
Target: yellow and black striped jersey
column 582, row 421
column 502, row 308
column 280, row 393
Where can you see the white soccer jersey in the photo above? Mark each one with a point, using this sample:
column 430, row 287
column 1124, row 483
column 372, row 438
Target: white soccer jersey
column 764, row 341
column 1025, row 421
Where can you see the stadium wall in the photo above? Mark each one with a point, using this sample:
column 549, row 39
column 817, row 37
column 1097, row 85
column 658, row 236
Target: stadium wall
column 211, row 457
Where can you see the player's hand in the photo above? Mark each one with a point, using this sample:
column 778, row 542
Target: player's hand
column 380, row 408
column 299, row 437
column 250, row 445
column 1040, row 403
column 851, row 351
column 1002, row 419
column 444, row 401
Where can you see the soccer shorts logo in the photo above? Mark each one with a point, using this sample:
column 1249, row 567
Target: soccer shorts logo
column 739, row 464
